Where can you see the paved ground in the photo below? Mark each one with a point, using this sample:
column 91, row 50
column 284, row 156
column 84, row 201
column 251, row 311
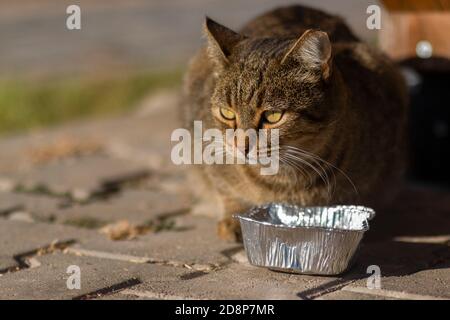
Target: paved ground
column 128, row 33
column 103, row 196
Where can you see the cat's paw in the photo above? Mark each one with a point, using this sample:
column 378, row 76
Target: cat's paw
column 229, row 229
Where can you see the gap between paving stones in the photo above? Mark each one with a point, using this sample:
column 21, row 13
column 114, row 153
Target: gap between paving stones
column 390, row 293
column 154, row 295
column 107, row 188
column 327, row 288
column 441, row 256
column 119, row 229
column 124, row 285
column 135, row 259
column 162, row 221
column 321, row 292
column 28, row 259
column 6, row 213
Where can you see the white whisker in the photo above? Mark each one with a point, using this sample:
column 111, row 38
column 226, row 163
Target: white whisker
column 301, row 151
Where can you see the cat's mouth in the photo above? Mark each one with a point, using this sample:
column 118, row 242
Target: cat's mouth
column 266, row 160
column 253, row 155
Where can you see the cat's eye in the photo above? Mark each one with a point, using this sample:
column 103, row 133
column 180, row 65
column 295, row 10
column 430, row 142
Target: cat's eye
column 273, row 116
column 227, row 113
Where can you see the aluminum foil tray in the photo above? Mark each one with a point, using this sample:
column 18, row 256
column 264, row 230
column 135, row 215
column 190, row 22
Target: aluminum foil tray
column 308, row 240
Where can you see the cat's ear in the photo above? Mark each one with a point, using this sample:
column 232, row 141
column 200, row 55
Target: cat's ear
column 313, row 49
column 221, row 41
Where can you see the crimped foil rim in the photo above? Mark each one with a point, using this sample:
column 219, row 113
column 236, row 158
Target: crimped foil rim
column 369, row 211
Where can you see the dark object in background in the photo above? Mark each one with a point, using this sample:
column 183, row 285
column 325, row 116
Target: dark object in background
column 429, row 83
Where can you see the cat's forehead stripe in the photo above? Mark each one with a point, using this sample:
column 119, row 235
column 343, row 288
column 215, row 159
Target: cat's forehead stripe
column 247, row 87
column 265, row 48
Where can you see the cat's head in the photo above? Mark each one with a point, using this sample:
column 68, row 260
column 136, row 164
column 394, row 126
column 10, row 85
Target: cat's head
column 283, row 83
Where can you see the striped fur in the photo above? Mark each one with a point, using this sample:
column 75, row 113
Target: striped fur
column 352, row 118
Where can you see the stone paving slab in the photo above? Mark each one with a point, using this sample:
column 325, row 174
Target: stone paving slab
column 22, row 149
column 126, row 294
column 347, row 295
column 194, row 241
column 409, row 269
column 230, row 280
column 417, row 212
column 139, row 138
column 397, row 258
column 425, row 284
column 37, row 206
column 434, row 282
column 80, row 178
column 234, row 282
column 135, row 206
column 146, row 141
column 49, row 280
column 18, row 238
column 7, row 262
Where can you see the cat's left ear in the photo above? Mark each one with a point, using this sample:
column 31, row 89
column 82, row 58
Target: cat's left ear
column 313, row 49
column 221, row 41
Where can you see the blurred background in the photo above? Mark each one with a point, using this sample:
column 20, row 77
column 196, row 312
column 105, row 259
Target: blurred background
column 128, row 50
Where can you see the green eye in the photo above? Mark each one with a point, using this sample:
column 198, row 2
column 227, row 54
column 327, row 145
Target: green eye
column 273, row 116
column 227, row 114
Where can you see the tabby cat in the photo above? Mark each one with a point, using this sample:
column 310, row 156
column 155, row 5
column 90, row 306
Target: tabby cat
column 339, row 106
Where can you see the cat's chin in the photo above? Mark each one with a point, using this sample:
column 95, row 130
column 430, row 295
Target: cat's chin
column 282, row 171
column 287, row 175
column 286, row 171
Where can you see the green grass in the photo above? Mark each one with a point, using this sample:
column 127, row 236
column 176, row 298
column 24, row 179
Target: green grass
column 26, row 104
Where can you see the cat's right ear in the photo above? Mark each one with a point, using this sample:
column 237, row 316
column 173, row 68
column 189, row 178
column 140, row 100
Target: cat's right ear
column 312, row 49
column 221, row 41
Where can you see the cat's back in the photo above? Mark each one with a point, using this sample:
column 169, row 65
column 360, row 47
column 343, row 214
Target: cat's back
column 292, row 21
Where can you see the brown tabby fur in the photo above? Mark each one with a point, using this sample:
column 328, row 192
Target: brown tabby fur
column 342, row 101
